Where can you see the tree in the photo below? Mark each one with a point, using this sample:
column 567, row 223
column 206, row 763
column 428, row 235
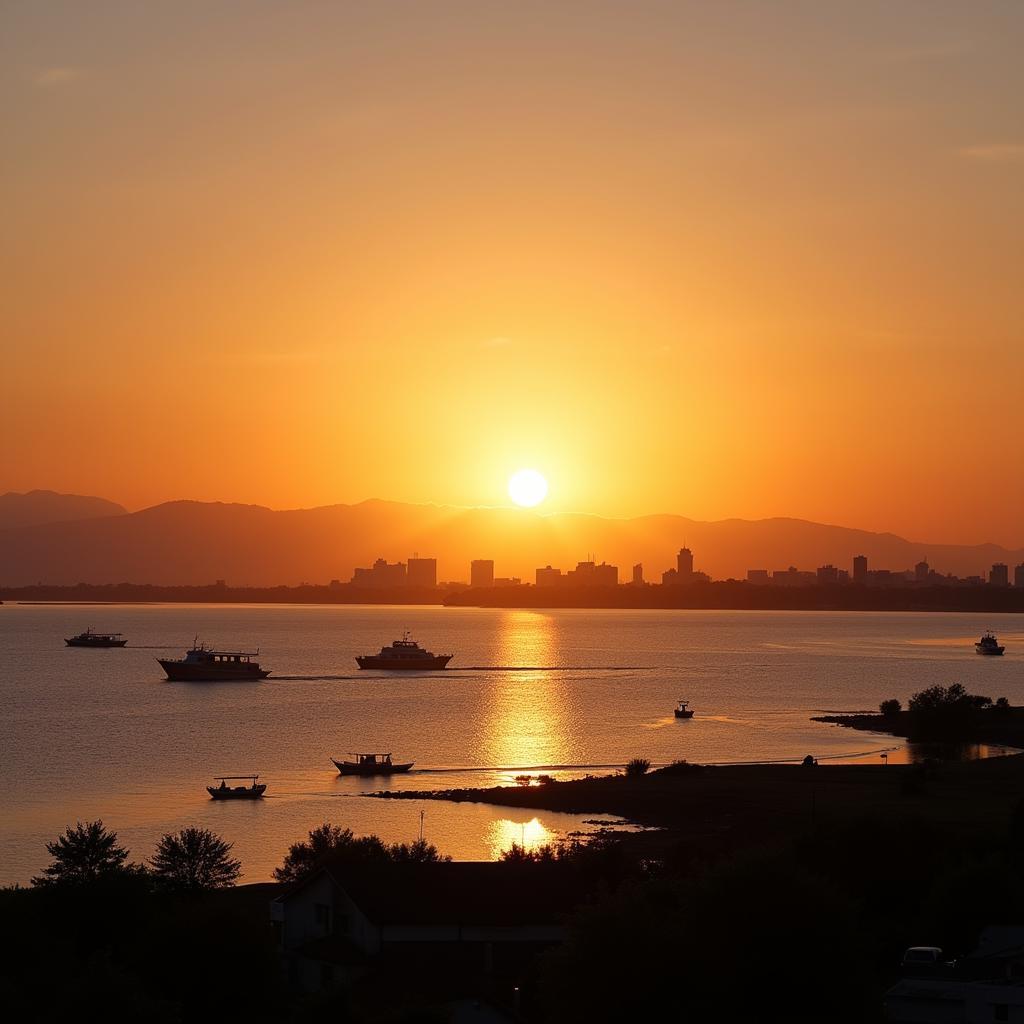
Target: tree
column 194, row 860
column 84, row 855
column 637, row 766
column 890, row 707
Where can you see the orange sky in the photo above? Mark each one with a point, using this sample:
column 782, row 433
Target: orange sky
column 721, row 259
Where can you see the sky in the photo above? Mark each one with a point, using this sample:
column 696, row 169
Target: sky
column 721, row 260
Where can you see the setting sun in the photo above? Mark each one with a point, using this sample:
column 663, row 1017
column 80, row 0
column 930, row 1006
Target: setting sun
column 527, row 488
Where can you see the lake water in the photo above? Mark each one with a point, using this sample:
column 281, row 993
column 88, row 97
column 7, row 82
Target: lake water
column 89, row 734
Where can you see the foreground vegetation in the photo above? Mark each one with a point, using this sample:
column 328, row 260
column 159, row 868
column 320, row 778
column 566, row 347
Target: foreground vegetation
column 781, row 889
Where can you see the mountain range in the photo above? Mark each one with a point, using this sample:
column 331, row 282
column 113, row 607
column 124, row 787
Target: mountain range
column 66, row 539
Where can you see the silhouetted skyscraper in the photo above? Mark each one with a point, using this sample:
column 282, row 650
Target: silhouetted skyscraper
column 422, row 572
column 999, row 575
column 921, row 571
column 684, row 565
column 481, row 572
column 638, row 575
column 860, row 569
column 1018, row 575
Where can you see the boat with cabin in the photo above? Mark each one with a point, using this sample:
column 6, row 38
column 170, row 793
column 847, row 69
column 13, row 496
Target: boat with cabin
column 404, row 655
column 371, row 764
column 682, row 710
column 203, row 664
column 254, row 791
column 988, row 644
column 90, row 638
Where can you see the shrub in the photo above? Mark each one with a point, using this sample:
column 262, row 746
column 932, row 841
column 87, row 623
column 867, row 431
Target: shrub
column 946, row 698
column 329, row 844
column 523, row 780
column 890, row 707
column 637, row 766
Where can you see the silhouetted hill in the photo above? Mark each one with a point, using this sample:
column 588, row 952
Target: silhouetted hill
column 185, row 542
column 37, row 507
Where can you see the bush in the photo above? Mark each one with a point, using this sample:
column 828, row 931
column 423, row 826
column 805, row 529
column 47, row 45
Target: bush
column 329, row 844
column 637, row 766
column 890, row 707
column 946, row 699
column 194, row 860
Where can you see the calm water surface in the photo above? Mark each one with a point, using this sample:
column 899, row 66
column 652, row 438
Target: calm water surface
column 101, row 734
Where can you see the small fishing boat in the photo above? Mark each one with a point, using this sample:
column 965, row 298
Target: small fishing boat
column 371, row 764
column 683, row 711
column 988, row 644
column 226, row 792
column 90, row 638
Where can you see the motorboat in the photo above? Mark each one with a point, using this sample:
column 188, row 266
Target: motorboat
column 90, row 638
column 404, row 655
column 371, row 764
column 988, row 644
column 683, row 711
column 203, row 664
column 254, row 791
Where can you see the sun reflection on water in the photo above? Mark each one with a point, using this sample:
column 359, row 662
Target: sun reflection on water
column 530, row 835
column 528, row 714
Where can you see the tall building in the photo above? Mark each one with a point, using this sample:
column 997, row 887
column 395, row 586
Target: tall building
column 589, row 574
column 1018, row 575
column 481, row 572
column 921, row 571
column 684, row 565
column 759, row 576
column 860, row 569
column 638, row 575
column 999, row 575
column 548, row 577
column 422, row 572
column 382, row 574
column 827, row 574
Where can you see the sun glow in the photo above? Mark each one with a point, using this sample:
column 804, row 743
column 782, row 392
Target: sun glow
column 527, row 488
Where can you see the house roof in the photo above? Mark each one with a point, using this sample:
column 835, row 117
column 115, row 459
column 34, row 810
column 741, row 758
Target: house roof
column 459, row 892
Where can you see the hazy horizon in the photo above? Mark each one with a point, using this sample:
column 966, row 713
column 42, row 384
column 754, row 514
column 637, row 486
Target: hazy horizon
column 721, row 260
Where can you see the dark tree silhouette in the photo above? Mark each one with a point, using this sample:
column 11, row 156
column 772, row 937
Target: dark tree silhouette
column 194, row 860
column 84, row 855
column 637, row 766
column 329, row 843
column 890, row 707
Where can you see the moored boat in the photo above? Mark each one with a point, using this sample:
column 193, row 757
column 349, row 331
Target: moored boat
column 203, row 664
column 683, row 711
column 988, row 644
column 226, row 792
column 90, row 638
column 404, row 655
column 371, row 764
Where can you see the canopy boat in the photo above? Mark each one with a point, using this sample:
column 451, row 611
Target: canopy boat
column 226, row 792
column 683, row 711
column 404, row 655
column 90, row 638
column 202, row 664
column 371, row 764
column 988, row 644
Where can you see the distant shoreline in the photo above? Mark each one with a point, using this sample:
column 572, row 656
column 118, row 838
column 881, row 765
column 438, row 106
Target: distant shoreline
column 729, row 595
